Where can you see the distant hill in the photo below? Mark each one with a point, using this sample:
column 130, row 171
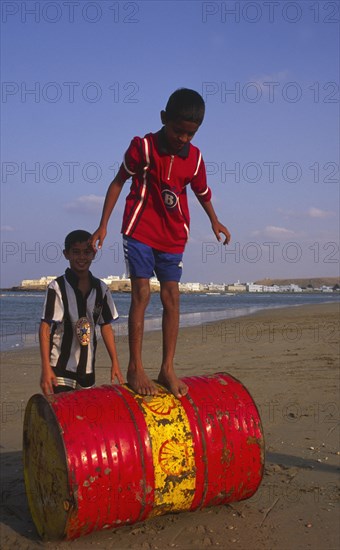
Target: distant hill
column 315, row 282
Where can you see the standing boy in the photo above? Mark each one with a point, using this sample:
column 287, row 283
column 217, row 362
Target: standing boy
column 74, row 304
column 156, row 226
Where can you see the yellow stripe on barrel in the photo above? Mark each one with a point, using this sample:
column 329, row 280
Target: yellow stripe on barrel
column 172, row 452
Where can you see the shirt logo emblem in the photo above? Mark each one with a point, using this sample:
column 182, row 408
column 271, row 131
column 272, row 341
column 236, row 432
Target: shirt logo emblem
column 170, row 199
column 83, row 331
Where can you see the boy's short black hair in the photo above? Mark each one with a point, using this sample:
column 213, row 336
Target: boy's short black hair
column 185, row 104
column 77, row 236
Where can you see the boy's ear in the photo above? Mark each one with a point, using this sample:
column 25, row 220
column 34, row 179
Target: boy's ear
column 163, row 117
column 66, row 254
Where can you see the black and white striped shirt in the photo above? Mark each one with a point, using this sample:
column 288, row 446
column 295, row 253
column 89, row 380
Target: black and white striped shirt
column 64, row 306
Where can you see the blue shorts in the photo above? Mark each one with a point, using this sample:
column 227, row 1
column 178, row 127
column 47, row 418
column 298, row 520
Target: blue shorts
column 144, row 261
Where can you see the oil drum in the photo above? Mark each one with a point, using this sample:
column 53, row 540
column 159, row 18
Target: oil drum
column 106, row 457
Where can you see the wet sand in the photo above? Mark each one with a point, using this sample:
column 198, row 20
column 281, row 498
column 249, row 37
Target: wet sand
column 288, row 359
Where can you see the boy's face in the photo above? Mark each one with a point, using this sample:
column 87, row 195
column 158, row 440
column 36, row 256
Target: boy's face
column 80, row 256
column 178, row 132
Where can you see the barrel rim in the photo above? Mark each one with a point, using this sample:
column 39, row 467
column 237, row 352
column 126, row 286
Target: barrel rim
column 47, row 404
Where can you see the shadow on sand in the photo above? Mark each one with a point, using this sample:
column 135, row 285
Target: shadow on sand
column 14, row 506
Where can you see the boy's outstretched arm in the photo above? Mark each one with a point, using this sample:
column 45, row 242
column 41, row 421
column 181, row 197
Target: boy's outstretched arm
column 109, row 341
column 216, row 225
column 111, row 198
column 48, row 378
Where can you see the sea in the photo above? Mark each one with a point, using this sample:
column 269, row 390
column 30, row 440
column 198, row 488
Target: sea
column 20, row 312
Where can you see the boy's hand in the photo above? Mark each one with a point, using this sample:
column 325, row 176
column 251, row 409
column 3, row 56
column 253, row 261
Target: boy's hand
column 218, row 228
column 116, row 373
column 99, row 235
column 47, row 381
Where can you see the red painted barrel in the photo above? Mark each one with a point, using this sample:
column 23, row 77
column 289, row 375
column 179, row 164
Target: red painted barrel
column 107, row 457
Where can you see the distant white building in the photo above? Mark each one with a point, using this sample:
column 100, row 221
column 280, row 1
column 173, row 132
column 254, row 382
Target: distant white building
column 271, row 288
column 190, row 287
column 253, row 287
column 214, row 287
column 43, row 281
column 154, row 282
column 237, row 287
column 110, row 279
column 290, row 288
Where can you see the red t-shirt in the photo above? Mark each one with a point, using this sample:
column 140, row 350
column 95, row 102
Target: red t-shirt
column 156, row 210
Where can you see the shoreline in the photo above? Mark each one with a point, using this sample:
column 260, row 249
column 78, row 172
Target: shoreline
column 288, row 359
column 183, row 292
column 123, row 285
column 191, row 319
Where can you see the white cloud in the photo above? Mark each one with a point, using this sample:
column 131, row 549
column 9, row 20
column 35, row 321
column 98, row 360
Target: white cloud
column 86, row 204
column 278, row 230
column 312, row 212
column 270, row 79
column 274, row 231
column 318, row 213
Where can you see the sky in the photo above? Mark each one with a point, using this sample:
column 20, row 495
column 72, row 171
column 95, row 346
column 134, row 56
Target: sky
column 80, row 79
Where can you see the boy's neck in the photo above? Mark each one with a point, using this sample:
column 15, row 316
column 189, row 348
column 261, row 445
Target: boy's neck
column 164, row 146
column 84, row 283
column 82, row 280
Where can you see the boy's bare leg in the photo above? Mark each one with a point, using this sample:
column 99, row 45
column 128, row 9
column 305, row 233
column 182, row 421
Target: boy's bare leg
column 167, row 376
column 136, row 377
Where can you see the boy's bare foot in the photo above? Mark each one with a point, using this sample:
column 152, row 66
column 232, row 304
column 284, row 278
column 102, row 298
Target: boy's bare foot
column 140, row 382
column 174, row 384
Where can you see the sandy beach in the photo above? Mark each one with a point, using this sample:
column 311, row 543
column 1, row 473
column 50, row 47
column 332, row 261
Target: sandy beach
column 288, row 359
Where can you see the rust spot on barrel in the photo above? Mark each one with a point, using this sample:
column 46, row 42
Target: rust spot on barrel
column 254, row 441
